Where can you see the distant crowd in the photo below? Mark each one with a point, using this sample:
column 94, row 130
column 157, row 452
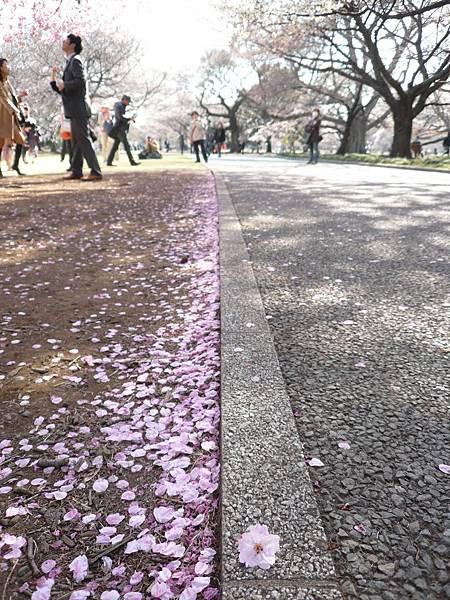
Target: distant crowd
column 20, row 138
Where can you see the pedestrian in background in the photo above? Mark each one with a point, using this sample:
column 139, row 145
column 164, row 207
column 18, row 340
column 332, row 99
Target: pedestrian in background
column 446, row 144
column 197, row 135
column 416, row 147
column 312, row 128
column 9, row 114
column 120, row 130
column 219, row 138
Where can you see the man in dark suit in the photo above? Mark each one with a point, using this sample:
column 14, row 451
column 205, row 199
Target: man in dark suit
column 120, row 129
column 73, row 91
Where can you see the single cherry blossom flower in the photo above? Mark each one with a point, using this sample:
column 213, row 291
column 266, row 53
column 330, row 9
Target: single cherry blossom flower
column 257, row 547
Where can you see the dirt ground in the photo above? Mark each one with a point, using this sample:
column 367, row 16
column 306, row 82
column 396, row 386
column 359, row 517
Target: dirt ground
column 96, row 296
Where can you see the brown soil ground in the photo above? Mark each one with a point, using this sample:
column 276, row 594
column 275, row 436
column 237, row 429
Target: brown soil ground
column 83, row 266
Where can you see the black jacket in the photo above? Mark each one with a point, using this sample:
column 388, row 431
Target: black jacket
column 74, row 95
column 219, row 135
column 120, row 120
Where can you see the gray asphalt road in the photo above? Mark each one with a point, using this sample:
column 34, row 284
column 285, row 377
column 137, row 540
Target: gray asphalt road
column 352, row 265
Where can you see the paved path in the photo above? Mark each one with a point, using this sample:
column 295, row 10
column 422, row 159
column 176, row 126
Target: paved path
column 352, row 266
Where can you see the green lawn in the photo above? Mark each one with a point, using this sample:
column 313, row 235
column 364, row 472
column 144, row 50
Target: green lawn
column 430, row 162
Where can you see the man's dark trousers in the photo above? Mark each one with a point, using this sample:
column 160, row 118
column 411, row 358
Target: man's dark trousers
column 201, row 144
column 121, row 137
column 82, row 147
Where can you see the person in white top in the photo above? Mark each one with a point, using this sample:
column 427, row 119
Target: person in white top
column 197, row 136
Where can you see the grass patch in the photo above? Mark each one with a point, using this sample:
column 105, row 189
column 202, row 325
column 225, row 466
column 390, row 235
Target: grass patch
column 431, row 162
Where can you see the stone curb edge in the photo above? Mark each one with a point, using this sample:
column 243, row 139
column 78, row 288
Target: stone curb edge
column 264, row 476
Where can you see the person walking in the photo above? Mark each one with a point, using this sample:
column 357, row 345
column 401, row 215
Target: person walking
column 312, row 128
column 219, row 138
column 9, row 112
column 73, row 90
column 120, row 130
column 197, row 136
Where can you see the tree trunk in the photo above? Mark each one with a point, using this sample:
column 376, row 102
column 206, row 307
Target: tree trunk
column 234, row 131
column 355, row 133
column 403, row 122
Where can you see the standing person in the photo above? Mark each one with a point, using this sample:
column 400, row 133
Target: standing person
column 314, row 138
column 446, row 144
column 9, row 112
column 73, row 90
column 105, row 124
column 120, row 130
column 219, row 138
column 21, row 149
column 416, row 147
column 197, row 136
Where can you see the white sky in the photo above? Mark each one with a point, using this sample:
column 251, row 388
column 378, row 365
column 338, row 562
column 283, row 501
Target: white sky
column 176, row 33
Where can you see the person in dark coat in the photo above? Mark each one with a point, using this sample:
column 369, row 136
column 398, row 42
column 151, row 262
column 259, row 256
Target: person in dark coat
column 446, row 144
column 73, row 91
column 219, row 138
column 120, row 130
column 312, row 128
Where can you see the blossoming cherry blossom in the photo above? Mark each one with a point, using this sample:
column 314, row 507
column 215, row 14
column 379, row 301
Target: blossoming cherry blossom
column 257, row 547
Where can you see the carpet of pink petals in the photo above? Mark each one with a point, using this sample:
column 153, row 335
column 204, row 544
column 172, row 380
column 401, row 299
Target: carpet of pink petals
column 133, row 480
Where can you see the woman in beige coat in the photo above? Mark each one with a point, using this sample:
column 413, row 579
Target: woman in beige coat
column 9, row 113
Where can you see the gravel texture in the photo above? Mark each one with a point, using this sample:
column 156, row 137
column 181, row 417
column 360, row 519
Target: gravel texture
column 352, row 267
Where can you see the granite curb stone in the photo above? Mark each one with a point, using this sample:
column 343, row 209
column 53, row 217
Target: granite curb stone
column 264, row 476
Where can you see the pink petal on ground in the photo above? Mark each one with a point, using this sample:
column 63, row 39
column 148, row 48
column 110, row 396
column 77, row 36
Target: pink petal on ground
column 444, row 468
column 137, row 520
column 100, row 486
column 110, row 595
column 128, row 496
column 114, row 519
column 47, row 566
column 136, row 578
column 14, row 511
column 344, row 445
column 79, row 567
column 71, row 515
column 315, row 462
column 159, row 590
column 59, row 495
column 163, row 514
column 80, row 595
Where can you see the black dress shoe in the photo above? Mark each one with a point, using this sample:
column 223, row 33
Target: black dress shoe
column 18, row 171
column 110, row 165
column 135, row 164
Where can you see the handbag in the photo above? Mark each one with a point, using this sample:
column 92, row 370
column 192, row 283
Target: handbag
column 92, row 134
column 114, row 133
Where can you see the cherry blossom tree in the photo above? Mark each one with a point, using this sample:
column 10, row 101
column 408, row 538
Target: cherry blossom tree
column 222, row 92
column 398, row 50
